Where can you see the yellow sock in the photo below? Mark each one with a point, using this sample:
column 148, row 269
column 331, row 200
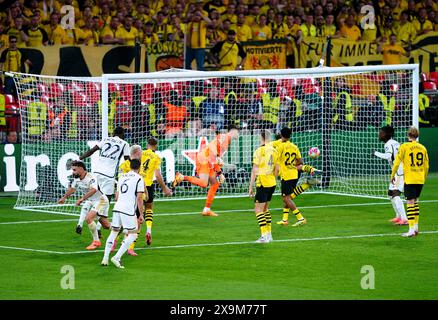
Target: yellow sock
column 307, row 168
column 285, row 214
column 262, row 222
column 299, row 190
column 268, row 219
column 417, row 212
column 149, row 219
column 411, row 215
column 132, row 246
column 298, row 214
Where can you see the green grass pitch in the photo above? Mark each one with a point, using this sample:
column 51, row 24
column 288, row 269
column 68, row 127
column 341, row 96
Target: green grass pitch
column 195, row 257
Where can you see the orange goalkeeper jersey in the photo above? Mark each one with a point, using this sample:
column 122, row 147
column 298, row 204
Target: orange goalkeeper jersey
column 215, row 148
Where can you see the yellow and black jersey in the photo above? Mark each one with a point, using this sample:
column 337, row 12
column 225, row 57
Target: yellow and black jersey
column 150, row 162
column 227, row 54
column 288, row 153
column 415, row 161
column 37, row 37
column 265, row 158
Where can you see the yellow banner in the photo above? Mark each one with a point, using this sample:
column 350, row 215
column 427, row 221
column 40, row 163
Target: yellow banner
column 357, row 53
column 265, row 55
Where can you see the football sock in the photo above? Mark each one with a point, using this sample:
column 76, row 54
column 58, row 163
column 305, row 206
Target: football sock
column 210, row 196
column 98, row 226
column 285, row 214
column 132, row 246
column 397, row 202
column 268, row 219
column 411, row 215
column 125, row 245
column 417, row 215
column 82, row 217
column 109, row 243
column 299, row 190
column 149, row 219
column 93, row 230
column 298, row 214
column 196, row 181
column 262, row 222
column 307, row 168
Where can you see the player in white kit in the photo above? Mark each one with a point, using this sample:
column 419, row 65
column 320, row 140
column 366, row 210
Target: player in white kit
column 395, row 189
column 112, row 149
column 129, row 198
column 92, row 199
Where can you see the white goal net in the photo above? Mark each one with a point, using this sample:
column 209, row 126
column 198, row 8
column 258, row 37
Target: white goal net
column 338, row 110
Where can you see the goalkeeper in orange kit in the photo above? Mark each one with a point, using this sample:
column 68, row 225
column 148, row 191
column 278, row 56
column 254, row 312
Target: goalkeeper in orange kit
column 208, row 167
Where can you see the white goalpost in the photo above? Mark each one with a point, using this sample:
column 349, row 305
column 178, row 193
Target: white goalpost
column 338, row 110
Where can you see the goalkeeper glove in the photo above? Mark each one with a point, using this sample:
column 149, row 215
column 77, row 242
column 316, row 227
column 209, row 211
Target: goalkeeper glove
column 220, row 177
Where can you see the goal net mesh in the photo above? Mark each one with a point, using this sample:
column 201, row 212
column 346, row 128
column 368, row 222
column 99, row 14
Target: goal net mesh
column 339, row 113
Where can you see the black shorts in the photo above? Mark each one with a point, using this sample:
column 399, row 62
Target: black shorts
column 150, row 190
column 412, row 191
column 264, row 194
column 288, row 186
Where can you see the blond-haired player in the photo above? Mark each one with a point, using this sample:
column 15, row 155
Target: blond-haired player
column 129, row 198
column 265, row 170
column 413, row 155
column 150, row 167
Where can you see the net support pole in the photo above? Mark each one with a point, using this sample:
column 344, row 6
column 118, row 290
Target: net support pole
column 415, row 93
column 104, row 106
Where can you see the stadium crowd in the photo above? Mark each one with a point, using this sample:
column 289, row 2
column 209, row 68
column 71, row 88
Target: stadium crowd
column 39, row 22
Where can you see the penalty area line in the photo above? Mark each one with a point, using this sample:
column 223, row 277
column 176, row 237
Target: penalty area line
column 183, row 246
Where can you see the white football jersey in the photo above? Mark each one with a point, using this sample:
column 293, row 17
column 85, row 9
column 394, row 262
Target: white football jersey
column 128, row 186
column 112, row 149
column 391, row 148
column 84, row 185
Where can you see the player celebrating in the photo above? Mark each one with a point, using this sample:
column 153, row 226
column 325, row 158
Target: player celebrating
column 150, row 166
column 129, row 197
column 92, row 198
column 415, row 160
column 111, row 151
column 395, row 189
column 265, row 169
column 290, row 161
column 208, row 167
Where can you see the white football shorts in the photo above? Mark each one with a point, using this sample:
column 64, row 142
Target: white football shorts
column 123, row 220
column 398, row 184
column 106, row 184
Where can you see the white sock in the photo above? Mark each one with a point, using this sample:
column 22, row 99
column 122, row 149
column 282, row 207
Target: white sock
column 149, row 230
column 82, row 217
column 394, row 206
column 206, row 209
column 109, row 243
column 98, row 226
column 125, row 245
column 93, row 230
column 416, row 227
column 400, row 207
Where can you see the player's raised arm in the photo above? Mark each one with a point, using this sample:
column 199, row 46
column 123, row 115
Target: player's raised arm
column 89, row 152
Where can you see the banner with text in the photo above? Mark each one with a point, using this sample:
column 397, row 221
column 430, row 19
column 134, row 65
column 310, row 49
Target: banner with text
column 265, row 54
column 357, row 53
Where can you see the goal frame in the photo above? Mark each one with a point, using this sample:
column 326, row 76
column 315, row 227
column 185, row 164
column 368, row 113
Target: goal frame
column 186, row 75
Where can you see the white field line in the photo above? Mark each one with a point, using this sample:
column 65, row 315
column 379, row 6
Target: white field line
column 359, row 236
column 229, row 211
